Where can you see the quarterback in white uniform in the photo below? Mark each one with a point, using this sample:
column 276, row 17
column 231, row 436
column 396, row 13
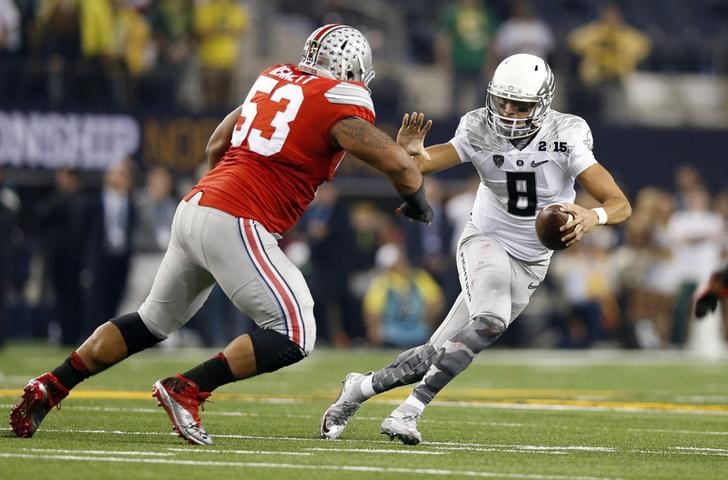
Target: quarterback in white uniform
column 516, row 184
column 528, row 156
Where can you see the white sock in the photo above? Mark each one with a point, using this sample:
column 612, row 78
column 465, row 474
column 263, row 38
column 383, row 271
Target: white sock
column 414, row 403
column 366, row 387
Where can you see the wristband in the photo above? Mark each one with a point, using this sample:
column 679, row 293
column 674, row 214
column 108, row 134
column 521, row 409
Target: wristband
column 417, row 200
column 601, row 215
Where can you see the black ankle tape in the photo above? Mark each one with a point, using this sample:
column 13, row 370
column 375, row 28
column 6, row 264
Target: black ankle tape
column 211, row 374
column 70, row 373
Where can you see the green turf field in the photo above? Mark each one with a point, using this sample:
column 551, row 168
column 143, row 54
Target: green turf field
column 513, row 415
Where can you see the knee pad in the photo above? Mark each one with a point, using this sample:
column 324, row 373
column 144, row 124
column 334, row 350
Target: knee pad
column 480, row 333
column 274, row 350
column 490, row 326
column 136, row 334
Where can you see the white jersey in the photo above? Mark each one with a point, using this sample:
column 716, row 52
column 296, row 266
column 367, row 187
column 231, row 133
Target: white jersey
column 517, row 184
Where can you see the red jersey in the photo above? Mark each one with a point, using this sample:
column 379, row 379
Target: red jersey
column 280, row 152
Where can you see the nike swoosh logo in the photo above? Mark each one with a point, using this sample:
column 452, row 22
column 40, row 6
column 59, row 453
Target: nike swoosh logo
column 531, row 286
column 536, row 164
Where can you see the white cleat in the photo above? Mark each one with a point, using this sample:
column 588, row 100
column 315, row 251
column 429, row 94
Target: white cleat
column 403, row 428
column 336, row 417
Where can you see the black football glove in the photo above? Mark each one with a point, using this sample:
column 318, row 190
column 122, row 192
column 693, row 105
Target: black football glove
column 415, row 214
column 415, row 206
column 708, row 294
column 705, row 303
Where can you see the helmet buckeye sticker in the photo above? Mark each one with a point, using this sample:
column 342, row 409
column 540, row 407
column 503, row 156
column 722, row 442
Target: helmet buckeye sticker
column 311, row 51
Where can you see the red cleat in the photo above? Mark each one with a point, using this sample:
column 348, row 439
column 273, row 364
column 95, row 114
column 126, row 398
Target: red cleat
column 39, row 396
column 181, row 399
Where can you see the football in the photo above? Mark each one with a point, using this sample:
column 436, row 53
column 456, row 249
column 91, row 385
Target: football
column 548, row 222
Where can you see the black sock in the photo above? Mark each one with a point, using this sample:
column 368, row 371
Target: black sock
column 72, row 371
column 211, row 374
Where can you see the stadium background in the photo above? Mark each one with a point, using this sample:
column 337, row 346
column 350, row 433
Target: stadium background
column 104, row 90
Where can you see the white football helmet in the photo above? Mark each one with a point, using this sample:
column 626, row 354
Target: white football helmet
column 524, row 80
column 340, row 52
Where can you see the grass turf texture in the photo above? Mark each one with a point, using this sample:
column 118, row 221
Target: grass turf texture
column 511, row 415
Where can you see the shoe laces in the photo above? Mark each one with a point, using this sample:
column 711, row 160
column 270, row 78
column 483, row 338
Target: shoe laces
column 410, row 419
column 55, row 392
column 188, row 394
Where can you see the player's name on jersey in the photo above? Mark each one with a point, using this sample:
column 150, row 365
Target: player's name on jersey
column 285, row 73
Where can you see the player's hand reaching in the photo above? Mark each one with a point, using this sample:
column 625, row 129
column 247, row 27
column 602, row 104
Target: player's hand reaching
column 411, row 135
column 583, row 220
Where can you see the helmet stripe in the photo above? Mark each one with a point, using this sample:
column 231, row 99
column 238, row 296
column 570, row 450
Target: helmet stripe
column 323, row 31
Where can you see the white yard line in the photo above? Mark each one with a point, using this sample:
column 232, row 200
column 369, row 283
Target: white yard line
column 242, row 452
column 108, row 432
column 98, row 452
column 438, row 445
column 507, row 450
column 669, row 430
column 530, row 448
column 672, row 451
column 377, row 450
column 703, row 449
column 288, row 466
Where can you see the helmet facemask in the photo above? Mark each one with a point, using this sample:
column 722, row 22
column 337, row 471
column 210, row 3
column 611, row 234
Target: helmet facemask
column 527, row 83
column 340, row 52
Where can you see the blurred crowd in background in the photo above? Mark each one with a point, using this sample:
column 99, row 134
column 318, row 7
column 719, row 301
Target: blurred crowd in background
column 196, row 54
column 80, row 245
column 81, row 255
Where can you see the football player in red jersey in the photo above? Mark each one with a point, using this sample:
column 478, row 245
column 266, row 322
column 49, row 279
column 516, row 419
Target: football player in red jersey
column 266, row 158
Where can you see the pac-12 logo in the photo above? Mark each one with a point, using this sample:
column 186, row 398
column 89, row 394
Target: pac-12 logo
column 498, row 160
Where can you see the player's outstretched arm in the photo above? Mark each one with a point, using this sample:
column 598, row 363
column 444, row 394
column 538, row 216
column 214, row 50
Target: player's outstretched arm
column 598, row 182
column 411, row 137
column 373, row 146
column 219, row 141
